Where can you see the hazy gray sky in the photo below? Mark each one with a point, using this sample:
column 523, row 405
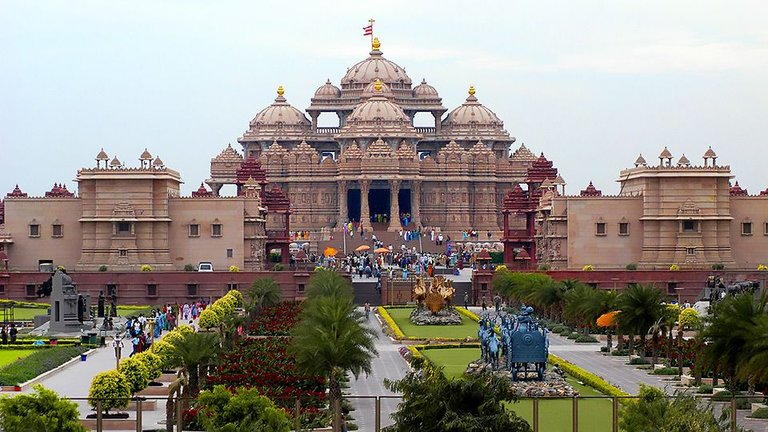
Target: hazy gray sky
column 589, row 83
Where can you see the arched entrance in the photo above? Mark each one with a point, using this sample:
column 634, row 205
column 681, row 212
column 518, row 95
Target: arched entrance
column 404, row 202
column 353, row 204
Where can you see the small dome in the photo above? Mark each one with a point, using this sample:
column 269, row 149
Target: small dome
column 424, row 91
column 158, row 163
column 378, row 107
column 115, row 163
column 710, row 153
column 559, row 181
column 102, row 156
column 375, row 66
column 640, row 161
column 383, row 90
column 683, row 161
column 665, row 154
column 327, row 91
column 280, row 118
column 473, row 119
column 145, row 155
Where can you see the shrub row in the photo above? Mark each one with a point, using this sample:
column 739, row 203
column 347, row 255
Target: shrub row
column 588, row 378
column 585, row 339
column 218, row 311
column 397, row 333
column 666, row 371
column 37, row 363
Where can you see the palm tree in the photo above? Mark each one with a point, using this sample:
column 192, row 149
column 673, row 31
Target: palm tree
column 640, row 307
column 732, row 337
column 581, row 305
column 194, row 352
column 330, row 339
column 264, row 292
column 659, row 328
column 550, row 298
column 328, row 284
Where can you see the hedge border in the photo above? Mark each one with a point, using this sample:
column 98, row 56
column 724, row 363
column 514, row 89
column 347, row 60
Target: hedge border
column 396, row 330
column 400, row 335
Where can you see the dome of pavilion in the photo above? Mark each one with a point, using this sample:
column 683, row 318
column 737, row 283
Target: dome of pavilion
column 424, row 91
column 376, row 66
column 327, row 91
column 278, row 120
column 378, row 107
column 370, row 90
column 472, row 119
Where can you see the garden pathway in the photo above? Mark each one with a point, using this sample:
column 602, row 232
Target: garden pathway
column 389, row 364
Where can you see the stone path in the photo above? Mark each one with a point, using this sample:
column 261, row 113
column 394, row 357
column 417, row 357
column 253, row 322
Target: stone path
column 389, row 364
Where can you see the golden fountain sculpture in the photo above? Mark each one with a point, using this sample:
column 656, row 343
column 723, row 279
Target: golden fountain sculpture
column 437, row 296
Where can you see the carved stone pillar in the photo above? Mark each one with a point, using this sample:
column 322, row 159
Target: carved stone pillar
column 314, row 116
column 365, row 212
column 416, row 203
column 394, row 206
column 343, row 214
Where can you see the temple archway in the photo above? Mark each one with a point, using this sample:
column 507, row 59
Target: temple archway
column 378, row 203
column 353, row 204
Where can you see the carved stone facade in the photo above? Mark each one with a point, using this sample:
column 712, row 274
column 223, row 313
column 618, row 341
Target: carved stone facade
column 376, row 162
column 670, row 213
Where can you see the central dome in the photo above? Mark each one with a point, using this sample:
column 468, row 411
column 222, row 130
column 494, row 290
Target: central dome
column 278, row 120
column 376, row 66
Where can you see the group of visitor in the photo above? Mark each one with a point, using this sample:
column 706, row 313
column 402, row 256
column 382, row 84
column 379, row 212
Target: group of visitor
column 9, row 332
column 299, row 235
column 136, row 330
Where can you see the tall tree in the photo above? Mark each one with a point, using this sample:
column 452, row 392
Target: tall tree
column 433, row 403
column 640, row 307
column 330, row 339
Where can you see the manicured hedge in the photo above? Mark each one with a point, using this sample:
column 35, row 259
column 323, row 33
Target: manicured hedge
column 588, row 378
column 37, row 363
column 397, row 332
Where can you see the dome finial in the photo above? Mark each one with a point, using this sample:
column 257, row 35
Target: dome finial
column 280, row 91
column 375, row 44
column 377, row 85
column 471, row 90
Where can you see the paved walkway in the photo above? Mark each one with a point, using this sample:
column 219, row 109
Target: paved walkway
column 389, row 364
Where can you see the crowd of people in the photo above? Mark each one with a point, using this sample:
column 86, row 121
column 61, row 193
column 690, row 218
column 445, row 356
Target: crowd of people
column 9, row 332
column 141, row 333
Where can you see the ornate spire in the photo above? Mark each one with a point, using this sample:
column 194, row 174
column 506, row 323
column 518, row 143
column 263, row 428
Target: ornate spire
column 377, row 85
column 280, row 91
column 736, row 190
column 591, row 191
column 471, row 97
column 16, row 193
column 202, row 192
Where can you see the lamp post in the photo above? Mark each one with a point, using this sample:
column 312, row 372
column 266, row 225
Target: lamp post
column 117, row 344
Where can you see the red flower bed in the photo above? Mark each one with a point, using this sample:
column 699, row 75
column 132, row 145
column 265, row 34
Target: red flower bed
column 276, row 320
column 264, row 364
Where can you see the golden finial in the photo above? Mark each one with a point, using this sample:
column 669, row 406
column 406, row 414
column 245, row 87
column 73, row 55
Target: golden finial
column 471, row 90
column 377, row 85
column 375, row 44
column 280, row 90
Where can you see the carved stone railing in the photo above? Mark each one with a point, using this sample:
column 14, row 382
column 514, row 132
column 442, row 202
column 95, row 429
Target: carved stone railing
column 327, row 130
column 426, row 130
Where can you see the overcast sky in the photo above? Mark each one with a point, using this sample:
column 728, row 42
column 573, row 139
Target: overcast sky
column 590, row 83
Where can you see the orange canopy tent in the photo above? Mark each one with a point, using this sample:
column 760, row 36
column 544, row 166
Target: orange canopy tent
column 382, row 250
column 362, row 248
column 329, row 252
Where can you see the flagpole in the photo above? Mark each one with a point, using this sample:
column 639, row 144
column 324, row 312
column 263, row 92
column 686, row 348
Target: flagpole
column 371, row 21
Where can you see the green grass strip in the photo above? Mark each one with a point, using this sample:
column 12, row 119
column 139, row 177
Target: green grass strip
column 37, row 363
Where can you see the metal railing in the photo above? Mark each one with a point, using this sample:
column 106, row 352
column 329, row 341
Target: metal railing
column 582, row 412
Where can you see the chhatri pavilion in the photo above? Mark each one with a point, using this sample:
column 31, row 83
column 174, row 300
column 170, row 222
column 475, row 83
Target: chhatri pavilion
column 375, row 165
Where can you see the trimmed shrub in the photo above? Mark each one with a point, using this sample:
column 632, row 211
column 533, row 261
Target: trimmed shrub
column 566, row 332
column 631, row 266
column 25, row 369
column 585, row 339
column 146, row 268
column 722, row 396
column 189, row 267
column 135, row 373
column 234, row 268
column 209, row 319
column 704, row 389
column 165, row 350
column 42, row 410
column 102, row 268
column 620, row 352
column 718, row 266
column 238, row 296
column 153, row 363
column 639, row 361
column 397, row 333
column 588, row 378
column 543, row 267
column 603, row 349
column 573, row 335
column 666, row 371
column 557, row 329
column 112, row 388
column 760, row 413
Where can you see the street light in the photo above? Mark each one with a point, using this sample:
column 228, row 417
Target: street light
column 117, row 344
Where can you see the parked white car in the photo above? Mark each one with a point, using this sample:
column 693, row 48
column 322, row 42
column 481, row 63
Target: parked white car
column 205, row 266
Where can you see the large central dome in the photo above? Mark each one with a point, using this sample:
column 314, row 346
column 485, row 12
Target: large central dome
column 375, row 66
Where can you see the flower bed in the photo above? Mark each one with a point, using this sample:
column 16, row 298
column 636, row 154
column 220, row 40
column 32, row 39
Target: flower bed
column 264, row 364
column 276, row 320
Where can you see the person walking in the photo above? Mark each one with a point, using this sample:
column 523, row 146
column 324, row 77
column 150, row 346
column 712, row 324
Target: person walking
column 466, row 300
column 484, row 304
column 5, row 335
column 13, row 332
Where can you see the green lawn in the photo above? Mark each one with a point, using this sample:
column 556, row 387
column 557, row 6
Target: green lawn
column 467, row 328
column 26, row 313
column 555, row 415
column 8, row 356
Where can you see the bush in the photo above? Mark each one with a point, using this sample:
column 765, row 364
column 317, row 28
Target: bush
column 102, row 268
column 153, row 363
column 722, row 396
column 674, row 267
column 760, row 413
column 234, row 268
column 585, row 339
column 639, row 361
column 146, row 268
column 246, row 409
column 666, row 371
column 238, row 296
column 603, row 349
column 112, row 388
column 42, row 410
column 278, row 267
column 573, row 335
column 620, row 352
column 588, row 267
column 588, row 378
column 718, row 266
column 566, row 331
column 189, row 267
column 275, row 257
column 38, row 362
column 165, row 350
column 557, row 329
column 631, row 266
column 704, row 389
column 209, row 319
column 135, row 373
column 543, row 267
